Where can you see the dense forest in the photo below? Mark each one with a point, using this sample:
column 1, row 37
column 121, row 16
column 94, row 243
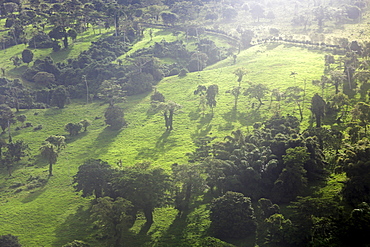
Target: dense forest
column 184, row 123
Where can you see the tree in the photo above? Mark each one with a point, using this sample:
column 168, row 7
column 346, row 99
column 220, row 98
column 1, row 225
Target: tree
column 114, row 117
column 240, row 72
column 27, row 56
column 337, row 78
column 44, row 78
column 257, row 91
column 257, row 11
column 246, row 38
column 73, row 128
column 147, row 188
column 72, row 33
column 21, row 118
column 9, row 241
column 16, row 60
column 6, row 117
column 236, row 91
column 188, row 182
column 15, row 151
column 318, row 106
column 355, row 163
column 85, row 123
column 361, row 112
column 93, row 178
column 292, row 179
column 111, row 92
column 211, row 94
column 112, row 217
column 232, row 216
column 49, row 152
column 293, row 94
column 59, row 97
column 169, row 18
column 57, row 141
column 168, row 109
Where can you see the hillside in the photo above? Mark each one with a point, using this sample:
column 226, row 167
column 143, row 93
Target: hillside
column 245, row 138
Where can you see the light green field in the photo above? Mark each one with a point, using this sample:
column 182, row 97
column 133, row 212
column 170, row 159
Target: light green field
column 54, row 215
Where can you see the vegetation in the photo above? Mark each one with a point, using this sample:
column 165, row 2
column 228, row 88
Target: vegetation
column 176, row 123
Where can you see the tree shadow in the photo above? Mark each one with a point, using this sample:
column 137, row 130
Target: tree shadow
column 250, row 117
column 130, row 239
column 194, row 115
column 101, row 143
column 32, row 195
column 77, row 226
column 62, row 54
column 205, row 120
column 231, row 116
column 163, row 145
column 175, row 234
column 201, row 132
column 272, row 46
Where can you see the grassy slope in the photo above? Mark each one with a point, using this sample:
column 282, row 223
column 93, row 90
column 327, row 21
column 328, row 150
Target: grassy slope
column 54, row 214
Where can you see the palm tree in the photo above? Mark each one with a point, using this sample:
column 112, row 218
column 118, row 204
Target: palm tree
column 49, row 152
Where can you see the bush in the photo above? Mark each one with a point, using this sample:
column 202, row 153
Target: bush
column 183, row 72
column 232, row 216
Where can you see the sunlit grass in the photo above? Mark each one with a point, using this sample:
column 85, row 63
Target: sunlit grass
column 54, row 215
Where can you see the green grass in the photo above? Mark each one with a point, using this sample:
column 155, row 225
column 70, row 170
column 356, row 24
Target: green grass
column 54, row 214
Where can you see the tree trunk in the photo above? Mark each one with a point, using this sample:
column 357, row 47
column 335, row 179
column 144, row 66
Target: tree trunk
column 50, row 169
column 148, row 213
column 170, row 119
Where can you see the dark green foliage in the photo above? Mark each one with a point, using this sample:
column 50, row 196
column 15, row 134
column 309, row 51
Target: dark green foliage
column 183, row 72
column 318, row 108
column 316, row 219
column 267, row 208
column 355, row 163
column 73, row 128
column 112, row 217
column 147, row 188
column 277, row 231
column 114, row 117
column 232, row 216
column 292, row 180
column 9, row 241
column 213, row 242
column 58, row 141
column 211, row 94
column 59, row 97
column 357, row 227
column 6, row 116
column 27, row 56
column 40, row 40
column 188, row 183
column 157, row 97
column 169, row 18
column 93, row 178
column 50, row 153
column 76, row 243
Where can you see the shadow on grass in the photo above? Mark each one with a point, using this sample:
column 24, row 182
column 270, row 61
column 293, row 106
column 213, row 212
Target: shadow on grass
column 101, row 143
column 250, row 117
column 231, row 116
column 77, row 226
column 130, row 239
column 163, row 144
column 271, row 46
column 175, row 234
column 70, row 139
column 194, row 115
column 61, row 55
column 32, row 195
